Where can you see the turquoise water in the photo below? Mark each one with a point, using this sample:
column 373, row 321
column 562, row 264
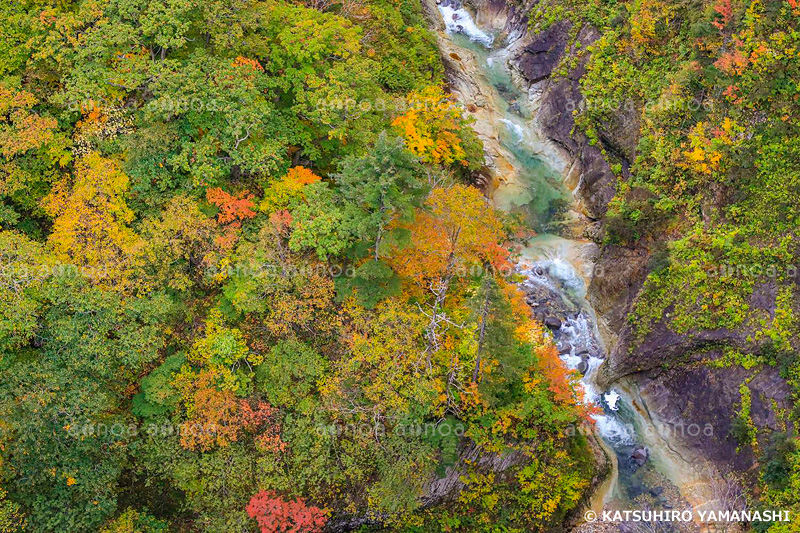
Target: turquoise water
column 539, row 195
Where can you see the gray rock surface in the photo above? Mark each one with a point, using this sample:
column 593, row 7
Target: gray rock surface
column 560, row 97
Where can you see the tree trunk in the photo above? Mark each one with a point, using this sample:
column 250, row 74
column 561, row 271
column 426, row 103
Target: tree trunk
column 440, row 294
column 476, row 374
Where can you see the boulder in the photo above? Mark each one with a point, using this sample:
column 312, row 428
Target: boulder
column 640, row 455
column 636, row 489
column 552, row 322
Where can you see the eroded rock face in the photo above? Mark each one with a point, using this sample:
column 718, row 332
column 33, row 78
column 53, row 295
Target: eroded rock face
column 660, row 347
column 695, row 401
column 698, row 406
column 501, row 16
column 590, row 174
column 537, row 59
column 618, row 276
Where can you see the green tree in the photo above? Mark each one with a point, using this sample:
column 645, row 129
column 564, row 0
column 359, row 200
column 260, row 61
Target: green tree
column 289, row 374
column 64, row 447
column 386, row 184
column 324, row 222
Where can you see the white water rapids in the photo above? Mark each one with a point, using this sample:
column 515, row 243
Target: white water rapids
column 458, row 20
column 579, row 343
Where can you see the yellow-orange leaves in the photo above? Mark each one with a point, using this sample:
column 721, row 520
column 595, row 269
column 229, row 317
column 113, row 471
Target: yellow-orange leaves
column 280, row 194
column 706, row 153
column 431, row 127
column 248, row 63
column 90, row 229
column 22, row 129
column 232, row 208
column 459, row 229
column 646, row 17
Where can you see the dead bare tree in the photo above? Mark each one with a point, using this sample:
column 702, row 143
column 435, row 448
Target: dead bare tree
column 727, row 496
column 439, row 290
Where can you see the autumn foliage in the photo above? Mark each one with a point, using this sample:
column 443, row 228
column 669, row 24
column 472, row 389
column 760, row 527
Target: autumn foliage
column 276, row 515
column 458, row 228
column 91, row 219
column 434, row 129
column 284, row 191
column 216, row 418
column 20, row 128
column 725, row 11
column 232, row 208
column 210, row 227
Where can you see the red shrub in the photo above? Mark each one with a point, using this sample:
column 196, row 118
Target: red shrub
column 275, row 515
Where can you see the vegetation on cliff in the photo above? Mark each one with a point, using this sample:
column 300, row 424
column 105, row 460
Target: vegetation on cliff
column 709, row 180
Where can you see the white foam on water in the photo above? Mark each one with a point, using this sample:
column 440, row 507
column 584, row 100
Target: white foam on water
column 517, row 130
column 529, row 270
column 611, row 398
column 579, row 332
column 567, row 275
column 594, row 363
column 572, row 361
column 590, row 396
column 460, row 21
column 613, row 431
column 557, row 271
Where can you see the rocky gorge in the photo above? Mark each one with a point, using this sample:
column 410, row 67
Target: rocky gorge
column 681, row 407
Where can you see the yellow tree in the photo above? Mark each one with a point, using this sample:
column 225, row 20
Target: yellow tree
column 435, row 131
column 182, row 245
column 458, row 232
column 31, row 151
column 285, row 191
column 383, row 369
column 91, row 229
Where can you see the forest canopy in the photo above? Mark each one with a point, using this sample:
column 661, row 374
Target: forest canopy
column 242, row 266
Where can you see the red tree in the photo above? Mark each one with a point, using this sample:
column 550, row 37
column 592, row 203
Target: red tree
column 725, row 11
column 231, row 208
column 276, row 515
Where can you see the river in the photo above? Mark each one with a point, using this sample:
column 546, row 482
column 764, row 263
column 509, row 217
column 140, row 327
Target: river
column 530, row 178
